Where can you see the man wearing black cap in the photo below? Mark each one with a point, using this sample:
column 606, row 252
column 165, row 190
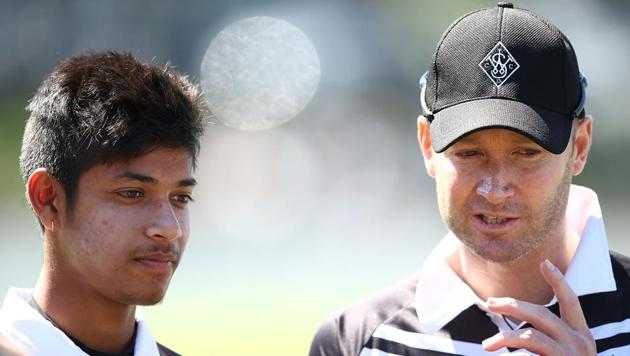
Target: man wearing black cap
column 525, row 265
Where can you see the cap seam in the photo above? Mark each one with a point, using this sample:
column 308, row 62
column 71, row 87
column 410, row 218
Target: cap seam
column 439, row 46
column 501, row 12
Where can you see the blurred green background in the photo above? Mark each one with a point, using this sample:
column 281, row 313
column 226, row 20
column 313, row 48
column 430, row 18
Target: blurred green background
column 293, row 223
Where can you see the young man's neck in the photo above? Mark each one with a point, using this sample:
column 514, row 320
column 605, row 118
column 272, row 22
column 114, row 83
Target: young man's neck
column 520, row 279
column 87, row 316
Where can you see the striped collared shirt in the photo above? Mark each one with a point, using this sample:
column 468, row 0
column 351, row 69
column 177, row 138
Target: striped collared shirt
column 435, row 313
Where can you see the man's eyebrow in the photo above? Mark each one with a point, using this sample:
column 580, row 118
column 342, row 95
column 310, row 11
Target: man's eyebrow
column 148, row 179
column 190, row 182
column 136, row 176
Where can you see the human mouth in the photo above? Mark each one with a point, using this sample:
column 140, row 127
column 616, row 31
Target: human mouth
column 495, row 221
column 157, row 261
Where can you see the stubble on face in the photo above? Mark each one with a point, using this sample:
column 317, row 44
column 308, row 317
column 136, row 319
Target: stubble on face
column 547, row 221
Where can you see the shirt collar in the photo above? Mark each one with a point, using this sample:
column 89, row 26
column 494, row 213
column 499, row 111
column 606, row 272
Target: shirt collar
column 27, row 328
column 441, row 295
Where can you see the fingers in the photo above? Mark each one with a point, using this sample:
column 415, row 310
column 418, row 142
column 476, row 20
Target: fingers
column 530, row 339
column 537, row 315
column 550, row 335
column 537, row 342
column 570, row 308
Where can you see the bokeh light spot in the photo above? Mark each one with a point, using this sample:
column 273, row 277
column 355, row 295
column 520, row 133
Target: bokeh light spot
column 259, row 73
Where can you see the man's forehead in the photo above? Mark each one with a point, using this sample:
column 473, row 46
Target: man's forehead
column 162, row 165
column 157, row 158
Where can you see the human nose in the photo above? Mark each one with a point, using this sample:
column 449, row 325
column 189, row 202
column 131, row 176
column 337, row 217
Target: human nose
column 496, row 186
column 164, row 224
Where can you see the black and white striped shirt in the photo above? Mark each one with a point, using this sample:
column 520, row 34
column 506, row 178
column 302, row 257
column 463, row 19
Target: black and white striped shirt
column 435, row 313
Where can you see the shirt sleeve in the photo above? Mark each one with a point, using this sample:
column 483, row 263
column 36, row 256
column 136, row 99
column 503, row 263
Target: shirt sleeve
column 345, row 332
column 326, row 340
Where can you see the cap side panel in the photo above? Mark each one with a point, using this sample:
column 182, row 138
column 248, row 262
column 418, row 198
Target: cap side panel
column 572, row 75
column 458, row 60
column 535, row 47
column 434, row 78
column 561, row 39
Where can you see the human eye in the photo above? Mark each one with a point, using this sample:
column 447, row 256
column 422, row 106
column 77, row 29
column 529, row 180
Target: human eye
column 182, row 198
column 468, row 153
column 529, row 152
column 130, row 193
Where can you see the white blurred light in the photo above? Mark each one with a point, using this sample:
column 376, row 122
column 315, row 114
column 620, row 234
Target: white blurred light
column 257, row 187
column 258, row 73
column 362, row 165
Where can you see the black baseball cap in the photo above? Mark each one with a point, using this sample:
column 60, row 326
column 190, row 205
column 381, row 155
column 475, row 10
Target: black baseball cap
column 503, row 67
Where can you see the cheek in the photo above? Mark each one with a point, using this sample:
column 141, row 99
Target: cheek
column 449, row 177
column 450, row 185
column 104, row 235
column 96, row 237
column 543, row 181
column 184, row 224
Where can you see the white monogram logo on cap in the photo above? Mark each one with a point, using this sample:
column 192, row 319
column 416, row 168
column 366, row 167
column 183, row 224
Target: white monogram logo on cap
column 499, row 64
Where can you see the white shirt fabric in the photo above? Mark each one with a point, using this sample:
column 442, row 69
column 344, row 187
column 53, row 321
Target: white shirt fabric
column 24, row 326
column 441, row 295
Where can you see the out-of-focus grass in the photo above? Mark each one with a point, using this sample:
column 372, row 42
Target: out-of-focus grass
column 267, row 321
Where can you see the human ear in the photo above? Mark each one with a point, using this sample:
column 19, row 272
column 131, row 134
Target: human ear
column 424, row 139
column 582, row 145
column 42, row 191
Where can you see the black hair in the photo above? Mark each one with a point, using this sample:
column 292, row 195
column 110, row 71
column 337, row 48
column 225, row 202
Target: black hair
column 106, row 107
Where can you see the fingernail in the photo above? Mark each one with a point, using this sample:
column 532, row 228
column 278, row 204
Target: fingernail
column 550, row 266
column 489, row 341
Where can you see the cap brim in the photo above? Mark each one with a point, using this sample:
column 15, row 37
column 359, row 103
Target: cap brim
column 549, row 129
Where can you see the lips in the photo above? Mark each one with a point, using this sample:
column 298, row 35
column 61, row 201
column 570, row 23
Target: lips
column 495, row 221
column 157, row 261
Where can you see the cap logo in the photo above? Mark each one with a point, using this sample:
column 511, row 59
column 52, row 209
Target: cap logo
column 499, row 64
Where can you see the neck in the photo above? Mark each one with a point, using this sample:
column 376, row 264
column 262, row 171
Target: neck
column 520, row 279
column 81, row 312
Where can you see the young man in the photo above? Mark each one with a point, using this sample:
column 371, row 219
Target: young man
column 107, row 157
column 525, row 265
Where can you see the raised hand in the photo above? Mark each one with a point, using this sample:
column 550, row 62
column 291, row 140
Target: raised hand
column 550, row 335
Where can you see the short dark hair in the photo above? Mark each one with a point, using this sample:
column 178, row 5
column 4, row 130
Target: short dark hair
column 106, row 107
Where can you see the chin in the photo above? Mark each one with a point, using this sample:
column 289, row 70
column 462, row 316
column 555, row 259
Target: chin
column 151, row 301
column 498, row 257
column 142, row 295
column 149, row 298
column 497, row 251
